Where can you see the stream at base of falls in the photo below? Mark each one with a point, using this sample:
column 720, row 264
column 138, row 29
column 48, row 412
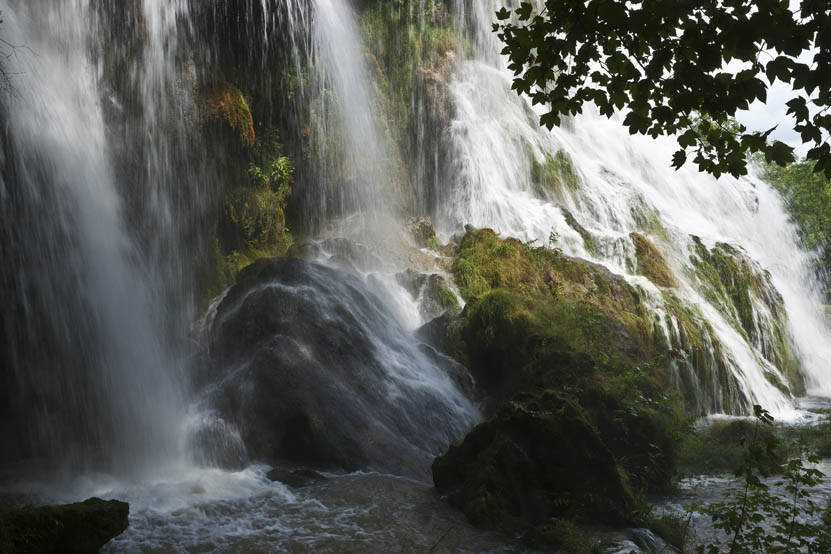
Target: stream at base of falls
column 211, row 510
column 190, row 509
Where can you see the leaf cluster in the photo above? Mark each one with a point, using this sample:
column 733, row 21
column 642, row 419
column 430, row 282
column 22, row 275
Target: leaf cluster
column 269, row 168
column 759, row 519
column 665, row 62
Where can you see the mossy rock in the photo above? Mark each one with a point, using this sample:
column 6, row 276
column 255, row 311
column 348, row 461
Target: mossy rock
column 558, row 292
column 225, row 103
column 81, row 528
column 651, row 263
column 422, row 231
column 741, row 290
column 431, row 291
column 539, row 457
column 589, row 241
column 706, row 382
column 554, row 175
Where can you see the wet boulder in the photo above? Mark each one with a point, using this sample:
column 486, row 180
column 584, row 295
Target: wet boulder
column 421, row 230
column 310, row 369
column 432, row 292
column 539, row 457
column 79, row 528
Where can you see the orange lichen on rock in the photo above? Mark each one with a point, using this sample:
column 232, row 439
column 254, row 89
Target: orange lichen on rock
column 227, row 103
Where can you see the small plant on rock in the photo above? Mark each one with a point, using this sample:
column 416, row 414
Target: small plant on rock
column 759, row 519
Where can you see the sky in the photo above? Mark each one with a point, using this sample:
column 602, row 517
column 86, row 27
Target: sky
column 761, row 117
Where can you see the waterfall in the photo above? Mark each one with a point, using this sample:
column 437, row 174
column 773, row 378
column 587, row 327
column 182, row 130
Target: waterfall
column 624, row 185
column 138, row 354
column 93, row 273
column 109, row 196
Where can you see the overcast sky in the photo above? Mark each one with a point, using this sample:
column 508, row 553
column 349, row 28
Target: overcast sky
column 761, row 117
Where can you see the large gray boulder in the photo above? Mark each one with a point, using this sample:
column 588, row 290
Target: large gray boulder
column 308, row 367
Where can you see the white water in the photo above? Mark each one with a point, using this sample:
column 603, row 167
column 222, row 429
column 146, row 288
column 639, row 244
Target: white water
column 344, row 81
column 58, row 123
column 491, row 135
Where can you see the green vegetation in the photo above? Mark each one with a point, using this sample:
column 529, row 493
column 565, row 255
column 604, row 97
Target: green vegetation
column 584, row 454
column 253, row 224
column 406, row 46
column 807, row 196
column 555, row 175
column 706, row 382
column 737, row 287
column 677, row 69
column 527, row 299
column 651, row 262
column 729, row 282
column 564, row 353
column 755, row 518
column 225, row 103
column 646, row 217
column 411, row 47
column 589, row 240
column 448, row 299
column 720, row 447
column 555, row 298
column 815, row 439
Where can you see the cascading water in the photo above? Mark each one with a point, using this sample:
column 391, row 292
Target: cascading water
column 86, row 347
column 626, row 185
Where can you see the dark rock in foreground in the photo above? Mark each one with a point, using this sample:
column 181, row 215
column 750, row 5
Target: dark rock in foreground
column 79, row 528
column 539, row 457
column 309, row 368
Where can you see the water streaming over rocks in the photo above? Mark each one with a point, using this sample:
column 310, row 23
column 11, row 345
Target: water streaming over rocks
column 110, row 185
column 594, row 185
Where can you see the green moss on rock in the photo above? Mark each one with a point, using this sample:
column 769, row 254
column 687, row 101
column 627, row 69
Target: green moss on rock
column 253, row 222
column 743, row 292
column 589, row 240
column 558, row 294
column 651, row 263
column 704, row 379
column 554, row 175
column 539, row 457
column 530, row 309
column 225, row 103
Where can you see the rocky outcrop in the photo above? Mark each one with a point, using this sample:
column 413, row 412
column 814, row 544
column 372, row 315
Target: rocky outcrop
column 422, row 231
column 310, row 369
column 81, row 528
column 651, row 263
column 432, row 291
column 539, row 457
